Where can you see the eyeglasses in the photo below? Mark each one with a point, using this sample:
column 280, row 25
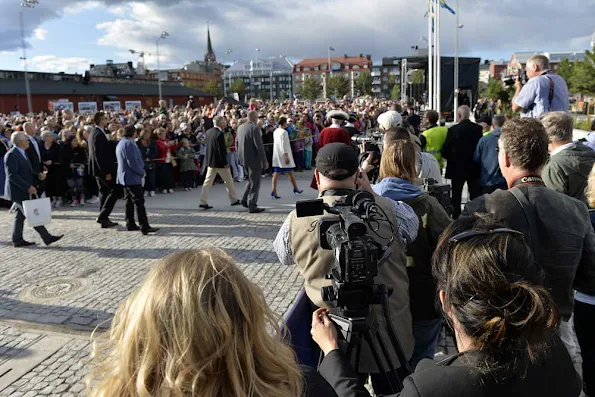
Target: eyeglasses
column 469, row 234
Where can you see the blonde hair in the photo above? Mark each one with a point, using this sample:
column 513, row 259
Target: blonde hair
column 398, row 161
column 196, row 327
column 590, row 191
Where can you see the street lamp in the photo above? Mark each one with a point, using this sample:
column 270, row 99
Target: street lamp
column 227, row 53
column 26, row 4
column 163, row 35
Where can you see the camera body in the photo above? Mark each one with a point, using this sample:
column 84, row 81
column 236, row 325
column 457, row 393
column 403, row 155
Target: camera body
column 442, row 193
column 509, row 80
column 356, row 254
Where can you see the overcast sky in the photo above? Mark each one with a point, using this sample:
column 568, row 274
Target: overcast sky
column 68, row 35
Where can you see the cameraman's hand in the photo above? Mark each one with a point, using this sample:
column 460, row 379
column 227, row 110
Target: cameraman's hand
column 517, row 85
column 363, row 182
column 367, row 167
column 323, row 331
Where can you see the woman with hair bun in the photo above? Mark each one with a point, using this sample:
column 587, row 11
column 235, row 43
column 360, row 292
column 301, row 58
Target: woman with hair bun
column 505, row 325
column 198, row 327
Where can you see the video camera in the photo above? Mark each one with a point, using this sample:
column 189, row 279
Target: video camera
column 372, row 151
column 440, row 191
column 509, row 80
column 357, row 255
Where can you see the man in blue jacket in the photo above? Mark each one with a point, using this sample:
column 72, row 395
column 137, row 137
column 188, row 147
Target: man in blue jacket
column 486, row 154
column 131, row 171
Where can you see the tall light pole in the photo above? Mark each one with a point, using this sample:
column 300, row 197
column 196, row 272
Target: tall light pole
column 26, row 4
column 163, row 35
column 456, row 77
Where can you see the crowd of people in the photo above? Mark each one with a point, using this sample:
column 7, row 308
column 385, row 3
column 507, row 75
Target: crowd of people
column 512, row 274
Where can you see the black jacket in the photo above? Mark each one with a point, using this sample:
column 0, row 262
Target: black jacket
column 216, row 152
column 102, row 155
column 565, row 238
column 459, row 148
column 551, row 376
column 34, row 157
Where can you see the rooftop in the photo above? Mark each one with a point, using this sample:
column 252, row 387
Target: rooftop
column 360, row 60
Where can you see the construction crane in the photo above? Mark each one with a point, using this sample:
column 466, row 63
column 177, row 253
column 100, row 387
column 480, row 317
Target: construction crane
column 141, row 55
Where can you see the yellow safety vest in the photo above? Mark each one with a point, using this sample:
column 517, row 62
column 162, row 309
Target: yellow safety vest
column 435, row 138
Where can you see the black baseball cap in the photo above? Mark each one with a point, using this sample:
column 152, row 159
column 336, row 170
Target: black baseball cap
column 337, row 161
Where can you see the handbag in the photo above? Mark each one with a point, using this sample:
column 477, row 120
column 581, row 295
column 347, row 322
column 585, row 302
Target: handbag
column 38, row 211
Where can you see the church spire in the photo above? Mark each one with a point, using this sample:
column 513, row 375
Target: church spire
column 210, row 56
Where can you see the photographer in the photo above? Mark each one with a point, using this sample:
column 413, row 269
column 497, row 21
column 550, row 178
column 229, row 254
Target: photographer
column 504, row 325
column 544, row 92
column 397, row 171
column 337, row 175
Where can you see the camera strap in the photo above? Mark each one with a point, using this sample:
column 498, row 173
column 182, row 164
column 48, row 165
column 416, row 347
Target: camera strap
column 551, row 93
column 529, row 213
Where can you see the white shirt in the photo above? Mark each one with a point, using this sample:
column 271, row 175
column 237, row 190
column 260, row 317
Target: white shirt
column 559, row 149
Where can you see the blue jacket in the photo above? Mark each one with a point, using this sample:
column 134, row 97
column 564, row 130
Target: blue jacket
column 131, row 167
column 397, row 189
column 487, row 155
column 19, row 176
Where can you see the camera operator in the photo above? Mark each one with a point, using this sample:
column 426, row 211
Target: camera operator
column 556, row 226
column 504, row 324
column 397, row 173
column 337, row 175
column 544, row 92
column 393, row 119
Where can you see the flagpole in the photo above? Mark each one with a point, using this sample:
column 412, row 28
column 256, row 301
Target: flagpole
column 329, row 61
column 456, row 76
column 439, row 65
column 434, row 50
column 430, row 59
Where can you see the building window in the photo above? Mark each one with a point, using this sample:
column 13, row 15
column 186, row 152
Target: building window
column 365, row 66
column 355, row 67
column 385, row 70
column 306, row 69
column 395, row 61
column 316, row 68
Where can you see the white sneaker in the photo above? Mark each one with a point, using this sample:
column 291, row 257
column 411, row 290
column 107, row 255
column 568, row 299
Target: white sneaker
column 171, row 191
column 92, row 200
column 152, row 194
column 145, row 194
column 164, row 191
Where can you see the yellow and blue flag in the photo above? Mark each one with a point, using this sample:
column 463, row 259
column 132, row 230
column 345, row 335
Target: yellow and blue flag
column 447, row 7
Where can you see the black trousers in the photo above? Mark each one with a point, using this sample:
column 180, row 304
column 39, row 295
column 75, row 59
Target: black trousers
column 17, row 231
column 134, row 198
column 457, row 192
column 584, row 325
column 252, row 188
column 109, row 192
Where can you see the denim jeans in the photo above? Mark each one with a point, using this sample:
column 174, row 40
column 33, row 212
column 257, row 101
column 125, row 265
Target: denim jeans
column 426, row 334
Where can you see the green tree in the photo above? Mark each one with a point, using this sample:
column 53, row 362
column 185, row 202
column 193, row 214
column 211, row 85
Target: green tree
column 310, row 89
column 283, row 95
column 583, row 75
column 418, row 76
column 363, row 84
column 395, row 92
column 565, row 70
column 214, row 88
column 337, row 86
column 238, row 87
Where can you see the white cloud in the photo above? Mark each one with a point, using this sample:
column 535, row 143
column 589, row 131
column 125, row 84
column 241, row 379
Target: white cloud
column 52, row 63
column 78, row 7
column 40, row 34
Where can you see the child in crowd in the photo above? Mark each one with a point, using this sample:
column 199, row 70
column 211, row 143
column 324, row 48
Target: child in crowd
column 73, row 159
column 186, row 155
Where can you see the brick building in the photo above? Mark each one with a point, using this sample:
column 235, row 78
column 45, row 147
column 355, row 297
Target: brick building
column 48, row 87
column 318, row 68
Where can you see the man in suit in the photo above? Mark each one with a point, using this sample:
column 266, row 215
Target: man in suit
column 34, row 156
column 216, row 161
column 19, row 185
column 252, row 156
column 103, row 166
column 458, row 150
column 131, row 171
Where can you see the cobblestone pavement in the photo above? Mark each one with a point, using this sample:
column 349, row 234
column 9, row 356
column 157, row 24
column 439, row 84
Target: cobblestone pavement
column 105, row 266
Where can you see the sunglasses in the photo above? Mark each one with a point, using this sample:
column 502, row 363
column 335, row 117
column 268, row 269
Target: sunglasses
column 469, row 234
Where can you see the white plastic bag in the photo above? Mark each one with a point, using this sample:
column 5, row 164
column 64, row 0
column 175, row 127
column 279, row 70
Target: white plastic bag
column 38, row 211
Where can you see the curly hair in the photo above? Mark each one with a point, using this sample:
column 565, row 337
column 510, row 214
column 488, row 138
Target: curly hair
column 526, row 143
column 196, row 327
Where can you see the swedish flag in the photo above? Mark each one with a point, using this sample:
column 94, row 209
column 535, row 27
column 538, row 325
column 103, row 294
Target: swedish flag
column 446, row 6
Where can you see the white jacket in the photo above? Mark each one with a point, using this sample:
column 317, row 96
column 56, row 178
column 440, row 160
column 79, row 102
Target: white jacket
column 281, row 145
column 428, row 167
